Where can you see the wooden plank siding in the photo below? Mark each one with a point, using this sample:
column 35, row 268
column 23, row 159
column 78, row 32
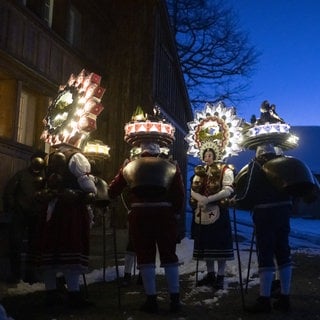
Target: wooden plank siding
column 129, row 43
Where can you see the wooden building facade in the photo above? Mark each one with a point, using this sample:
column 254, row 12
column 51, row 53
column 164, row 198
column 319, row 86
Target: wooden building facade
column 129, row 43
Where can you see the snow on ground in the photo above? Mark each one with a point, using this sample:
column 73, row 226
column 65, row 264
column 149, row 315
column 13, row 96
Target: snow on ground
column 305, row 238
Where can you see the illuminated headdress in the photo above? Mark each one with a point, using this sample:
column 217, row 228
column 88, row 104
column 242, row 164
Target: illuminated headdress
column 72, row 114
column 269, row 129
column 215, row 127
column 145, row 128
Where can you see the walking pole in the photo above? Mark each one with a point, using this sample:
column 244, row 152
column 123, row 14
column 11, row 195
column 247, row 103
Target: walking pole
column 250, row 259
column 84, row 275
column 116, row 255
column 105, row 209
column 85, row 285
column 239, row 260
column 197, row 262
column 198, row 241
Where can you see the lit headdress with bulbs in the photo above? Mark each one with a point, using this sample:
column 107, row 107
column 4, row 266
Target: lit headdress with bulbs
column 216, row 127
column 269, row 129
column 72, row 115
column 145, row 128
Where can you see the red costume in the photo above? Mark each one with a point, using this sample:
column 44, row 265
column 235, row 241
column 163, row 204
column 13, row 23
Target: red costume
column 157, row 211
column 63, row 235
column 156, row 197
column 63, row 244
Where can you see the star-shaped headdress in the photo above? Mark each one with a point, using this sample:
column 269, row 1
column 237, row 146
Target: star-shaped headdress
column 216, row 127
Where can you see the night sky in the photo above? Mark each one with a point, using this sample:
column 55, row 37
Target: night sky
column 287, row 33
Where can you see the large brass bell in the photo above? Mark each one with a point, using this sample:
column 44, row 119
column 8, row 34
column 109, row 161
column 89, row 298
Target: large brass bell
column 291, row 175
column 149, row 175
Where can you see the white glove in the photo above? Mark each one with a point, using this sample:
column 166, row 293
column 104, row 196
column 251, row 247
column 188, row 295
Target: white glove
column 233, row 201
column 224, row 193
column 197, row 196
column 203, row 201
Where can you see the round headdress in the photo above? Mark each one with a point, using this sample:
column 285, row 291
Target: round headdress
column 270, row 128
column 72, row 114
column 144, row 128
column 215, row 127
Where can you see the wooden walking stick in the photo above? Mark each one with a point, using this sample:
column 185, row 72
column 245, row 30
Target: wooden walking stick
column 105, row 210
column 239, row 259
column 250, row 259
column 114, row 233
column 198, row 246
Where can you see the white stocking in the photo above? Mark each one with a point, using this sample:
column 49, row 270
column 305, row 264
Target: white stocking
column 50, row 281
column 285, row 279
column 221, row 267
column 172, row 277
column 149, row 280
column 72, row 281
column 266, row 278
column 128, row 262
column 210, row 266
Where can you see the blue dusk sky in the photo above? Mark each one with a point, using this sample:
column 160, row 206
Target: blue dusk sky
column 287, row 34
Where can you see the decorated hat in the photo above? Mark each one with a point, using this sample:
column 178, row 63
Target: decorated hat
column 270, row 128
column 72, row 115
column 216, row 127
column 144, row 128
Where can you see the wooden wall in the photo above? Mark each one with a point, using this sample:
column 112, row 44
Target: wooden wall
column 129, row 43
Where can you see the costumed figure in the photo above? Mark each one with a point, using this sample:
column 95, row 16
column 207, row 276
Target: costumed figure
column 19, row 202
column 266, row 186
column 214, row 135
column 63, row 244
column 156, row 197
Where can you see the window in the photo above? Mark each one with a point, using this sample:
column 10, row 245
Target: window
column 74, row 27
column 8, row 104
column 22, row 111
column 42, row 8
column 47, row 11
column 26, row 120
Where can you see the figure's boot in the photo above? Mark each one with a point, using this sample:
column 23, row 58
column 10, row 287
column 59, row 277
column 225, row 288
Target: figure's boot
column 208, row 280
column 61, row 284
column 126, row 281
column 150, row 305
column 262, row 305
column 76, row 300
column 128, row 264
column 53, row 298
column 219, row 284
column 172, row 278
column 139, row 279
column 283, row 303
column 149, row 283
column 275, row 289
column 175, row 305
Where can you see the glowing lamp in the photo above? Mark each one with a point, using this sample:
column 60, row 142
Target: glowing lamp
column 96, row 149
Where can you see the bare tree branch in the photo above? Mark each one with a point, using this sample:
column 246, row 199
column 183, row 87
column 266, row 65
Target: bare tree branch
column 216, row 57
